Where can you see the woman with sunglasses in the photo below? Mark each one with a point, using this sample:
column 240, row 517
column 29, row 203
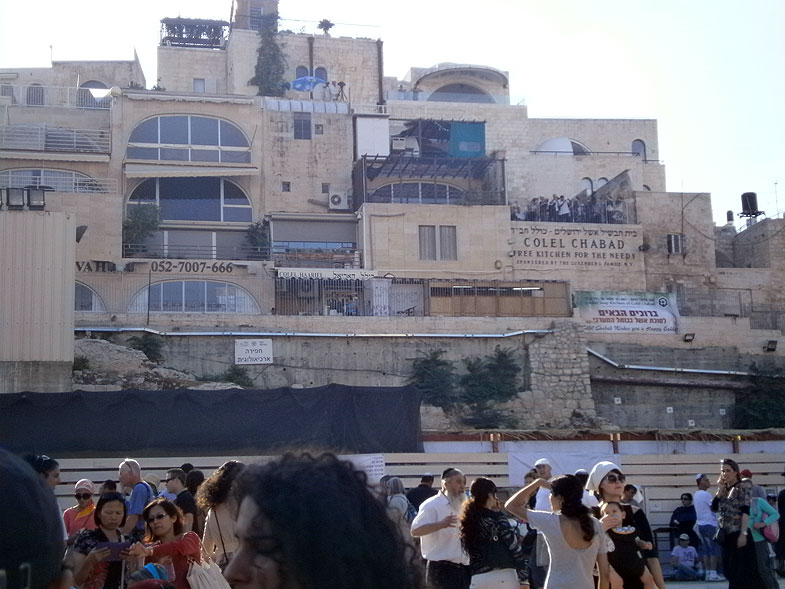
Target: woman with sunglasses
column 80, row 516
column 166, row 542
column 607, row 481
column 90, row 559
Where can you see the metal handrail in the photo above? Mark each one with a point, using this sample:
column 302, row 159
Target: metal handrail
column 64, row 184
column 343, row 258
column 48, row 138
column 62, row 96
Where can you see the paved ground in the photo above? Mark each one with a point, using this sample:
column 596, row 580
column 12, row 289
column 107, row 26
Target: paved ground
column 704, row 585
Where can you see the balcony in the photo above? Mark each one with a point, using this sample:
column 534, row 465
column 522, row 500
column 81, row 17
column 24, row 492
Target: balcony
column 59, row 96
column 42, row 137
column 408, row 179
column 297, row 258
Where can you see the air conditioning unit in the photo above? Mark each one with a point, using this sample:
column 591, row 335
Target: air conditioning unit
column 398, row 143
column 339, row 202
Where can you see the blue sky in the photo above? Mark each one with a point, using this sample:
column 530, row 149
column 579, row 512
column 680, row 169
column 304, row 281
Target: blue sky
column 711, row 71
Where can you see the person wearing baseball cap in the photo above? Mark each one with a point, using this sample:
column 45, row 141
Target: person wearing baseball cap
column 80, row 516
column 683, row 558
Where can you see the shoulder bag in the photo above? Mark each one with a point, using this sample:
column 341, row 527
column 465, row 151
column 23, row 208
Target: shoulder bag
column 205, row 574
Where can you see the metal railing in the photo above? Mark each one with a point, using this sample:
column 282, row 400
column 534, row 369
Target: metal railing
column 593, row 154
column 74, row 184
column 463, row 98
column 343, row 258
column 66, row 96
column 48, row 138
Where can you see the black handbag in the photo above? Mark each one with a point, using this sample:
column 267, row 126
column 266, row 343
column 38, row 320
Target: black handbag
column 719, row 537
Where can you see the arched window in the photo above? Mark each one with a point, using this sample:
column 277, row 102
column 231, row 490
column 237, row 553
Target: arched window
column 321, row 73
column 587, row 186
column 188, row 138
column 417, row 192
column 35, row 95
column 194, row 199
column 86, row 99
column 562, row 145
column 57, row 180
column 86, row 299
column 193, row 296
column 460, row 93
column 639, row 149
column 301, row 71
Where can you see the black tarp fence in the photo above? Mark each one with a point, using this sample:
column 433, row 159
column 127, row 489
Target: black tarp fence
column 335, row 417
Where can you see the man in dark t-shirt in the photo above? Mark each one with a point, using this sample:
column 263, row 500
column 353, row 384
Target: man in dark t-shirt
column 175, row 483
column 422, row 491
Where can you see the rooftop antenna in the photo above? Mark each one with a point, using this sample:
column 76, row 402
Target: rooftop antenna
column 776, row 203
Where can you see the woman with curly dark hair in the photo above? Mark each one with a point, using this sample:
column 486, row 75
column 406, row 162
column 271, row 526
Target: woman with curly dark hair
column 313, row 522
column 215, row 499
column 496, row 559
column 575, row 539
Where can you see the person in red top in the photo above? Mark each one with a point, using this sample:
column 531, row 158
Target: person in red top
column 167, row 544
column 80, row 516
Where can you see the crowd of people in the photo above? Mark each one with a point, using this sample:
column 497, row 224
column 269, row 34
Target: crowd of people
column 313, row 521
column 582, row 208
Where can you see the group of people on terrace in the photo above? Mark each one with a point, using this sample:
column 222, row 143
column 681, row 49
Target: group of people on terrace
column 313, row 521
column 582, row 208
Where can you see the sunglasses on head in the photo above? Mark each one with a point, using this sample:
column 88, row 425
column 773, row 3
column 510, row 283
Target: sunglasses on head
column 152, row 518
column 615, row 478
column 83, row 495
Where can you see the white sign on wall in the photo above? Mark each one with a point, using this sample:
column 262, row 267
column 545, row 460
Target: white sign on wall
column 253, row 351
column 614, row 312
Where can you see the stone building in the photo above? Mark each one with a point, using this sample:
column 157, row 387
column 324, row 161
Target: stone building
column 357, row 209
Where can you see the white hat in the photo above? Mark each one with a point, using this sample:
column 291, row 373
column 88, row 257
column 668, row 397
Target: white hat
column 600, row 470
column 542, row 461
column 699, row 476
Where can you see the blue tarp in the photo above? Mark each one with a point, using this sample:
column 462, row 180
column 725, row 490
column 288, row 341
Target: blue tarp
column 467, row 140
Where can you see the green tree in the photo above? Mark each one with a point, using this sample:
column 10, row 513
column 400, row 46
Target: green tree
column 151, row 345
column 325, row 25
column 435, row 378
column 270, row 62
column 762, row 404
column 141, row 222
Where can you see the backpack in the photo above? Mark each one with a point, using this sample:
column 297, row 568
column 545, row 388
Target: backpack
column 411, row 512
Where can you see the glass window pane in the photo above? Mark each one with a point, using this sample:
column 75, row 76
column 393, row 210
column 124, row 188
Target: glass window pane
column 174, row 130
column 172, row 297
column 195, row 199
column 427, row 242
column 237, row 214
column 447, row 243
column 204, row 155
column 155, row 299
column 231, row 136
column 145, row 191
column 83, row 298
column 180, row 155
column 217, row 299
column 194, row 296
column 142, row 153
column 204, row 131
column 240, row 157
column 233, row 195
column 146, row 132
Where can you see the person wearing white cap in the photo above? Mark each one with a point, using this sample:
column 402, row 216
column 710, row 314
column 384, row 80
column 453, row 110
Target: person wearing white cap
column 80, row 516
column 683, row 560
column 607, row 480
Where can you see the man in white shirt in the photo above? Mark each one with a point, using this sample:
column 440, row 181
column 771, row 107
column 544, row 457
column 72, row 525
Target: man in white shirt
column 539, row 560
column 707, row 527
column 436, row 524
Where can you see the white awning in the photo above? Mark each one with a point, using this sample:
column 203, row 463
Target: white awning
column 164, row 171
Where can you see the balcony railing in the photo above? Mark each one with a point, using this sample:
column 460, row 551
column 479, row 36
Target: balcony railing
column 58, row 139
column 343, row 258
column 464, row 98
column 65, row 96
column 68, row 182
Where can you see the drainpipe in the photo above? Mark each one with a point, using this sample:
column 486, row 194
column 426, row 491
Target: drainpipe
column 666, row 368
column 310, row 55
column 380, row 68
